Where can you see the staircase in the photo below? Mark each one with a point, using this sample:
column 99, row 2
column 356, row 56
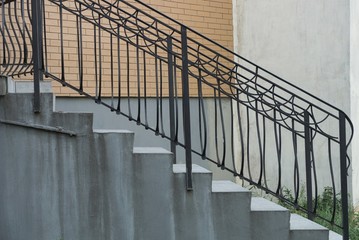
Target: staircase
column 246, row 120
column 63, row 180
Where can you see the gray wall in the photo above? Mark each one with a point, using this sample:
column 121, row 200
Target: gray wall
column 354, row 92
column 304, row 42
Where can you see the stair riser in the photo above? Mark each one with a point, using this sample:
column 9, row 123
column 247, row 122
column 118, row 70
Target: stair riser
column 153, row 196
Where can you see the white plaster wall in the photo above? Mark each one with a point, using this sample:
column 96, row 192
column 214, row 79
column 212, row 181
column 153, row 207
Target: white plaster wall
column 305, row 42
column 354, row 92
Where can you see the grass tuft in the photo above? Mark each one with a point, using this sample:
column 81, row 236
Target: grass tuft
column 326, row 206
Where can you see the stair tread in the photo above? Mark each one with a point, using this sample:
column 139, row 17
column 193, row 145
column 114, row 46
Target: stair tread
column 150, row 150
column 110, row 131
column 227, row 186
column 261, row 204
column 181, row 168
column 298, row 222
column 334, row 236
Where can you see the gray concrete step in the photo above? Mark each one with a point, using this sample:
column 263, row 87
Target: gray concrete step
column 231, row 201
column 269, row 220
column 334, row 236
column 17, row 109
column 153, row 193
column 193, row 209
column 302, row 228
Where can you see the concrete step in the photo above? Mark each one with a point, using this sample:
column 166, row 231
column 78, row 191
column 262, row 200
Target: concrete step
column 231, row 210
column 193, row 209
column 81, row 123
column 17, row 109
column 268, row 220
column 153, row 193
column 334, row 236
column 302, row 228
column 20, row 107
column 120, row 142
column 111, row 203
column 27, row 86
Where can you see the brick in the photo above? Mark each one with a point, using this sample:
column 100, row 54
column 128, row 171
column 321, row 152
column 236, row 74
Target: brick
column 213, row 18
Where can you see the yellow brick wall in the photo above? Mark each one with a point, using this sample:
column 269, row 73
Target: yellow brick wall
column 212, row 18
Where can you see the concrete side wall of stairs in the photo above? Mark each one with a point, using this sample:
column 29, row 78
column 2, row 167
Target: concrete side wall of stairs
column 59, row 179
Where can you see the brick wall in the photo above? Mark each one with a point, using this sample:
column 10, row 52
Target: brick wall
column 212, row 18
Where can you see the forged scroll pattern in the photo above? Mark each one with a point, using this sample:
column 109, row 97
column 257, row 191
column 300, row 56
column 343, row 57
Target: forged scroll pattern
column 110, row 16
column 219, row 72
column 15, row 34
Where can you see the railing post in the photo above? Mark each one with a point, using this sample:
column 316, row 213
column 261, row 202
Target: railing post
column 186, row 109
column 36, row 49
column 171, row 97
column 344, row 175
column 308, row 165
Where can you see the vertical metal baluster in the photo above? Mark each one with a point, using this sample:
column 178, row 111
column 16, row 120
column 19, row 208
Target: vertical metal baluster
column 232, row 139
column 202, row 117
column 248, row 147
column 119, row 70
column 259, row 146
column 36, row 45
column 17, row 62
column 186, row 108
column 264, row 153
column 333, row 181
column 95, row 58
column 99, row 61
column 296, row 165
column 111, row 62
column 145, row 88
column 215, row 126
column 79, row 47
column 28, row 34
column 24, row 31
column 314, row 176
column 241, row 136
column 138, row 82
column 278, row 144
column 62, row 44
column 44, row 61
column 176, row 98
column 308, row 164
column 161, row 99
column 171, row 97
column 344, row 175
column 3, row 19
column 223, row 129
column 2, row 51
column 12, row 45
column 157, row 130
column 128, row 82
column 29, row 68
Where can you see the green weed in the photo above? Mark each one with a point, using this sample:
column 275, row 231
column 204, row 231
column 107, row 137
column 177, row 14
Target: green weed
column 327, row 204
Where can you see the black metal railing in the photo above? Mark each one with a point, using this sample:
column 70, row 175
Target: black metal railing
column 190, row 90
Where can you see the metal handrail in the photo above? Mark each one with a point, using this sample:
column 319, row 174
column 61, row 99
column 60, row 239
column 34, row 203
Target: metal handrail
column 262, row 105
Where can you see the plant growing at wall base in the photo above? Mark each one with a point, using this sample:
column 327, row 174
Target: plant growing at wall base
column 327, row 204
